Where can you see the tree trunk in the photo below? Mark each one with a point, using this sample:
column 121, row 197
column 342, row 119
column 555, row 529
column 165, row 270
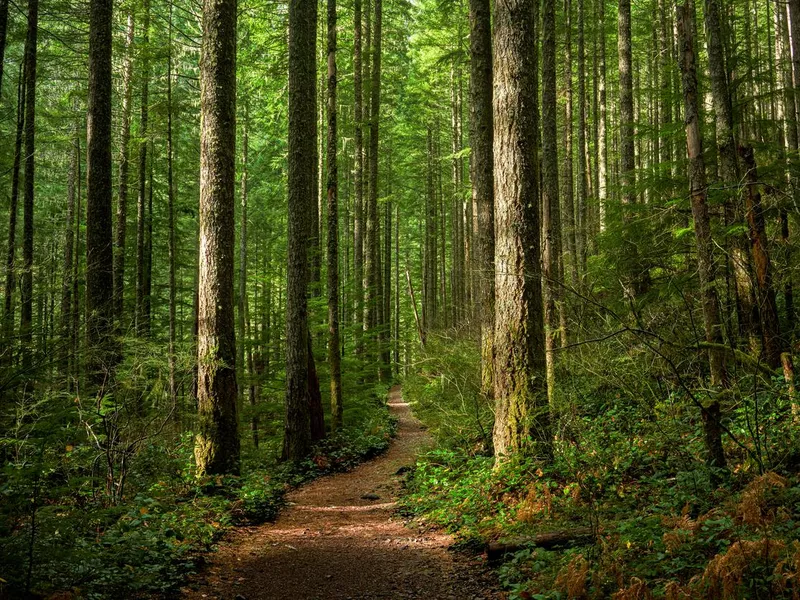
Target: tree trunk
column 702, row 231
column 142, row 324
column 67, row 301
column 334, row 351
column 583, row 150
column 242, row 292
column 124, row 168
column 3, row 35
column 358, row 182
column 767, row 305
column 372, row 250
column 302, row 113
column 481, row 174
column 551, row 210
column 11, row 267
column 602, row 136
column 627, row 154
column 99, row 250
column 26, row 290
column 173, row 389
column 217, row 442
column 567, row 184
column 519, row 386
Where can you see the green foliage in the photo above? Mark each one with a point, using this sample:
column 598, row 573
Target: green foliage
column 103, row 495
column 629, row 465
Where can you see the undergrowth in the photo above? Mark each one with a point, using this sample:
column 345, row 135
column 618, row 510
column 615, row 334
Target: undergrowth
column 64, row 534
column 629, row 467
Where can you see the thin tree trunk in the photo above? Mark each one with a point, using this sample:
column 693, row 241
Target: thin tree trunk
column 173, row 389
column 26, row 290
column 124, row 168
column 767, row 305
column 142, row 324
column 334, row 351
column 242, row 293
column 3, row 35
column 583, row 150
column 217, row 441
column 372, row 249
column 358, row 182
column 67, row 300
column 567, row 184
column 11, row 267
column 702, row 230
column 602, row 136
column 481, row 165
column 551, row 210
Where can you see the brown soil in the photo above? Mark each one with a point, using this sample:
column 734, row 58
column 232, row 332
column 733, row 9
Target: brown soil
column 332, row 543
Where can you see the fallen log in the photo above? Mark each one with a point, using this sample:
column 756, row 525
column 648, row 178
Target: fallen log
column 551, row 539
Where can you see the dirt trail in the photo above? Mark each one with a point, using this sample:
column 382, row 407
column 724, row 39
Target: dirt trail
column 332, row 543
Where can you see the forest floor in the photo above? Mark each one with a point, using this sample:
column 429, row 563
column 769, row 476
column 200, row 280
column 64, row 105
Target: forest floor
column 339, row 537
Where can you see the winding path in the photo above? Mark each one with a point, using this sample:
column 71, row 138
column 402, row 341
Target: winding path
column 332, row 543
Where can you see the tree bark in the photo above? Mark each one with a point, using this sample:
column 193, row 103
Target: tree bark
column 570, row 259
column 334, row 351
column 142, row 316
column 551, row 210
column 520, row 388
column 372, row 249
column 99, row 250
column 358, row 181
column 124, row 169
column 767, row 305
column 67, row 301
column 711, row 412
column 11, row 267
column 26, row 290
column 3, row 36
column 583, row 150
column 481, row 174
column 242, row 292
column 173, row 387
column 302, row 113
column 217, row 442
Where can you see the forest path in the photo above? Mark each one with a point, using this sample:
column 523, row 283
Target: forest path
column 330, row 542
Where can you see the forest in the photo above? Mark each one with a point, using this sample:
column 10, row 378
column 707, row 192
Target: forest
column 247, row 239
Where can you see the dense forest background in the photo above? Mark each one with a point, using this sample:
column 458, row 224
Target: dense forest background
column 568, row 228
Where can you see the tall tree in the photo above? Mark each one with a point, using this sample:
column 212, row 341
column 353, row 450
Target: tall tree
column 481, row 132
column 583, row 150
column 67, row 300
column 99, row 250
column 124, row 169
column 11, row 266
column 551, row 210
column 711, row 412
column 217, row 442
column 171, row 249
column 302, row 115
column 26, row 290
column 519, row 375
column 3, row 36
column 142, row 312
column 372, row 246
column 570, row 259
column 358, row 177
column 627, row 149
column 334, row 350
